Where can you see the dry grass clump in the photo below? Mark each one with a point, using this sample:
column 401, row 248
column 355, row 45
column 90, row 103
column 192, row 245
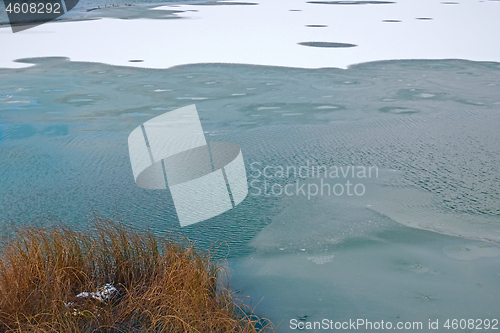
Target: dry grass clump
column 161, row 285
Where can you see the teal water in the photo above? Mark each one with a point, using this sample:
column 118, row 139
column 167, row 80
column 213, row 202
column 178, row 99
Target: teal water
column 431, row 127
column 64, row 134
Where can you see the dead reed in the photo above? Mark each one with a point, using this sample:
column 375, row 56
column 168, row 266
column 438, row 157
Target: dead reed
column 134, row 282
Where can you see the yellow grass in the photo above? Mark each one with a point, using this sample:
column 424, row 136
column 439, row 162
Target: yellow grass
column 163, row 285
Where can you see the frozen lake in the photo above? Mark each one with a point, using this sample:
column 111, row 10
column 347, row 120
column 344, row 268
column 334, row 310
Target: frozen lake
column 422, row 241
column 293, row 33
column 430, row 127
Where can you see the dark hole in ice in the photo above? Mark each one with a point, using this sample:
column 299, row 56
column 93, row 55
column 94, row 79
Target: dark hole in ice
column 327, row 44
column 295, row 10
column 222, row 3
column 351, row 2
column 316, row 26
column 391, row 21
column 136, row 60
column 424, row 18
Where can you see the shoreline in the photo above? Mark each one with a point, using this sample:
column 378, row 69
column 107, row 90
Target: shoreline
column 114, row 277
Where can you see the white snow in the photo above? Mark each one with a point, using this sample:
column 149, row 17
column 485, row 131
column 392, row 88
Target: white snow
column 268, row 33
